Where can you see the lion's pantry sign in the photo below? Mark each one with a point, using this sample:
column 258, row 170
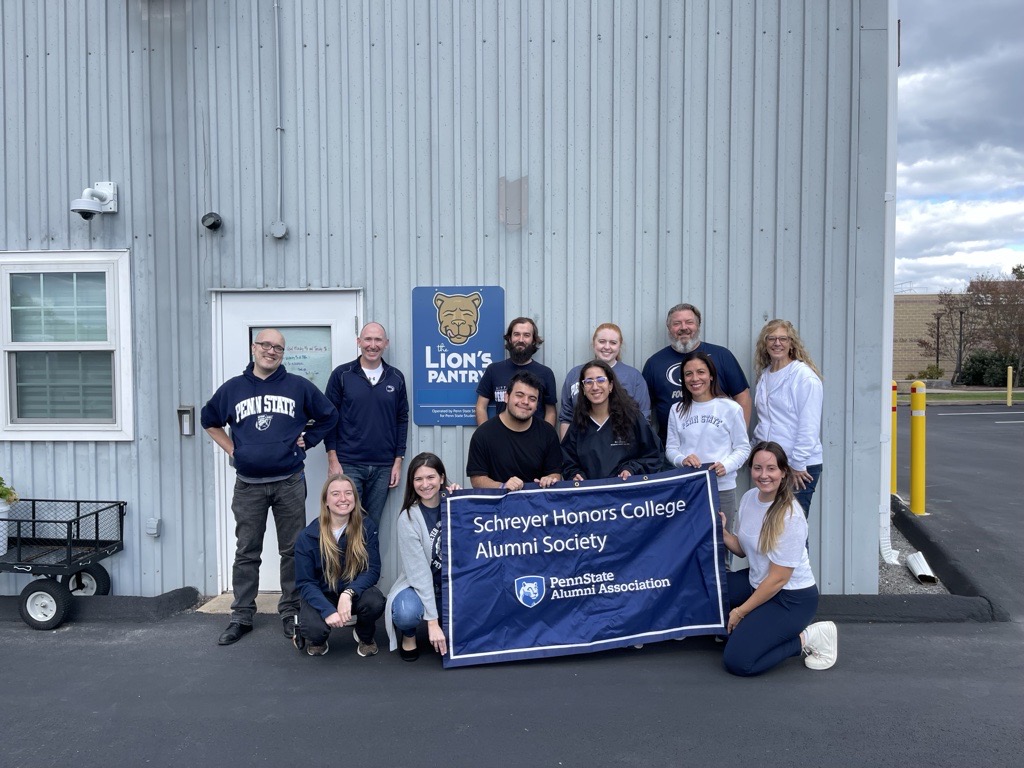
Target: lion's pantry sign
column 457, row 331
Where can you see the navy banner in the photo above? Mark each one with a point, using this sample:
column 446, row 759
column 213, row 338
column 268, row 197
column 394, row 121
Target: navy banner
column 581, row 567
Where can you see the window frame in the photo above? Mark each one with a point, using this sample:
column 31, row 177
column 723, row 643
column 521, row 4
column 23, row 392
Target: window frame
column 116, row 265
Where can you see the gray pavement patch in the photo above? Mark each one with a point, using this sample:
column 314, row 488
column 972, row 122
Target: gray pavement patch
column 904, row 609
column 116, row 607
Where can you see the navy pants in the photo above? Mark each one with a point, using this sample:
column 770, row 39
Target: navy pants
column 770, row 633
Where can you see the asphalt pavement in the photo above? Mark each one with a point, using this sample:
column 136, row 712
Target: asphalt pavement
column 164, row 694
column 138, row 681
column 973, row 534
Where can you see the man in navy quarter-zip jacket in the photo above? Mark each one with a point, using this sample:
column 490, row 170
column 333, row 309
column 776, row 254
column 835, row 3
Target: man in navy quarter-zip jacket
column 268, row 410
column 368, row 443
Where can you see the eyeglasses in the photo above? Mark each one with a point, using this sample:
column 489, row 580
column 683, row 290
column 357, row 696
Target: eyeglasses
column 266, row 346
column 773, row 339
column 597, row 380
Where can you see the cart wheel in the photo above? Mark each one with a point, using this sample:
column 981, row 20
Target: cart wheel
column 44, row 604
column 93, row 579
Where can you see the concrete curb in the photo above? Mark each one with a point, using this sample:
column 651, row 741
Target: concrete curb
column 116, row 607
column 946, row 564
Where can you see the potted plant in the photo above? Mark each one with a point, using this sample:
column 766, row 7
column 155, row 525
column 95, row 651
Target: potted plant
column 7, row 494
column 7, row 497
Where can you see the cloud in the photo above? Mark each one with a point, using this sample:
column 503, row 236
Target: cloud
column 960, row 172
column 942, row 245
column 984, row 171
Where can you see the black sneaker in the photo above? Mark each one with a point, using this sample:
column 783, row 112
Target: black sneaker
column 290, row 623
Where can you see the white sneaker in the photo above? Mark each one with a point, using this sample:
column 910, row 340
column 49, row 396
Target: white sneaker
column 821, row 645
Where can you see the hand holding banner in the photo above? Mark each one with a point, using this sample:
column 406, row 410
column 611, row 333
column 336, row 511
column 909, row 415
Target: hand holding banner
column 581, row 567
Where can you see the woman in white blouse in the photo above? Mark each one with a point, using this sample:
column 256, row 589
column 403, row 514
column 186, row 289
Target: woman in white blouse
column 787, row 400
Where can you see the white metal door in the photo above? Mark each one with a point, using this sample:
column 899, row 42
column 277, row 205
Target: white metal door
column 320, row 328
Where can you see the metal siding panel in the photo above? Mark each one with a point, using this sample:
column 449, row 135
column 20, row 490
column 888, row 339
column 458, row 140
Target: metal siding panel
column 659, row 140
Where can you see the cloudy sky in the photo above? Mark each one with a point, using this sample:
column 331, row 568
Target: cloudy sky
column 960, row 171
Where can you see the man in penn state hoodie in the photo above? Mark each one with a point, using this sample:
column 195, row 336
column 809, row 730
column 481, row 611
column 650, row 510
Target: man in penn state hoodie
column 267, row 409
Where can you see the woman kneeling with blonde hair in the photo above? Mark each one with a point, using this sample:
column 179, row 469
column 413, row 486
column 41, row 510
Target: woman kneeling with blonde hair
column 337, row 564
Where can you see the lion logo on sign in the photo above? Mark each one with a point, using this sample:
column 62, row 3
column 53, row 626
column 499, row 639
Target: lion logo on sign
column 458, row 315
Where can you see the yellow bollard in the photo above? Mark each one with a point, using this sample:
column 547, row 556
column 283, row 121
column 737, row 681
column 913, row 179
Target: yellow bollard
column 918, row 402
column 892, row 465
column 1009, row 387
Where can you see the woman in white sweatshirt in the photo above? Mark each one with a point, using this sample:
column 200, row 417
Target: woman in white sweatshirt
column 706, row 427
column 787, row 398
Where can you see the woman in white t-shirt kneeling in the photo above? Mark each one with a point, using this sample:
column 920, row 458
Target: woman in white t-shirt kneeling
column 776, row 598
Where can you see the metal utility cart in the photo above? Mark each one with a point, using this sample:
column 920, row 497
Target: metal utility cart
column 64, row 542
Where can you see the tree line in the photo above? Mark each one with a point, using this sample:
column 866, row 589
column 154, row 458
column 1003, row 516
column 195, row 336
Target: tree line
column 982, row 329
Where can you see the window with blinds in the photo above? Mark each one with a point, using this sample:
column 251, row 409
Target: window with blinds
column 65, row 345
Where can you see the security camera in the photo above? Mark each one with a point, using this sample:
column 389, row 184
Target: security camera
column 86, row 207
column 101, row 197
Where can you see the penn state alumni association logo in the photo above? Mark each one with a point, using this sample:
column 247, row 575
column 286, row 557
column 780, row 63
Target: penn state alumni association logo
column 458, row 315
column 530, row 590
column 263, row 421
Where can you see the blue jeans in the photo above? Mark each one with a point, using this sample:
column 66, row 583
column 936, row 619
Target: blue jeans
column 803, row 497
column 770, row 633
column 372, row 486
column 250, row 505
column 407, row 612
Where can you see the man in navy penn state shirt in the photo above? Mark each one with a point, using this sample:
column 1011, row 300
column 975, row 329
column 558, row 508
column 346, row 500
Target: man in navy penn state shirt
column 268, row 410
column 663, row 371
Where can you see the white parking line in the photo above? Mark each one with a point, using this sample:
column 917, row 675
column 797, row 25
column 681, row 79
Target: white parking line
column 982, row 413
column 1010, row 422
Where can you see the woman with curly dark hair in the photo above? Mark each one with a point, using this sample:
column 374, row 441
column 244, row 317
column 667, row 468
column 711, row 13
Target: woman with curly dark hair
column 608, row 436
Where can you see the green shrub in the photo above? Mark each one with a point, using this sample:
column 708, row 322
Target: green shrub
column 931, row 372
column 985, row 368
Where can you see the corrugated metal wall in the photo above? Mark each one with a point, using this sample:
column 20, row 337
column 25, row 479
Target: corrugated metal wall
column 730, row 154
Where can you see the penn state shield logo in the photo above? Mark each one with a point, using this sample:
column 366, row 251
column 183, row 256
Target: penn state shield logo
column 263, row 421
column 530, row 590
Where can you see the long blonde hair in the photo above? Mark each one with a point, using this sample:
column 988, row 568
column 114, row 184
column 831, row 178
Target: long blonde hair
column 784, row 503
column 797, row 350
column 355, row 556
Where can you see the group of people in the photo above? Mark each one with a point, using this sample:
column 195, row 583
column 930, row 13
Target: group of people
column 689, row 407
